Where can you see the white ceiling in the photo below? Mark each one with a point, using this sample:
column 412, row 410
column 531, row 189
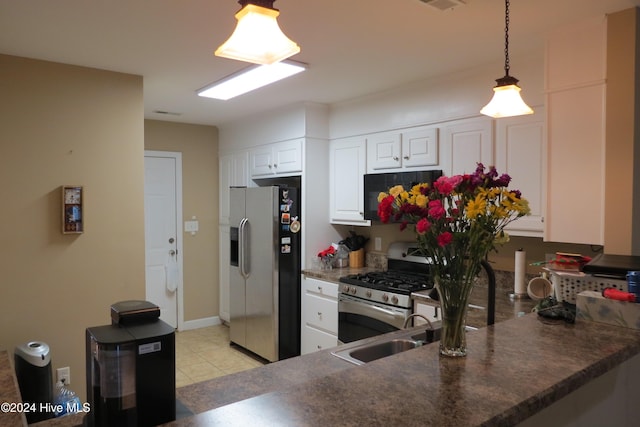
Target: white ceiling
column 353, row 47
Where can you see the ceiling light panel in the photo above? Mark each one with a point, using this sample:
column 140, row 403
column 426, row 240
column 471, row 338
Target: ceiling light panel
column 251, row 78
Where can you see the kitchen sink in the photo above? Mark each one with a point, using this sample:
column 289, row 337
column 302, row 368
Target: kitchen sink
column 386, row 345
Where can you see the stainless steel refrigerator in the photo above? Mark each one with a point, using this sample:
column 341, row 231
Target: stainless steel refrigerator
column 265, row 271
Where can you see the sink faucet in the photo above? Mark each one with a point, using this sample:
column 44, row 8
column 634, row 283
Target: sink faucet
column 406, row 321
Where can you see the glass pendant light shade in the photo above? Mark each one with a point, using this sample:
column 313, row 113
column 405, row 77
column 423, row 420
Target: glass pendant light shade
column 257, row 38
column 506, row 102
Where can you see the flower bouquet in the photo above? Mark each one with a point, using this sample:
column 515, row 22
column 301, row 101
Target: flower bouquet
column 457, row 222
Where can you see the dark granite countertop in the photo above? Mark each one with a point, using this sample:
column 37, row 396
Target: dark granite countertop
column 513, row 369
column 9, row 393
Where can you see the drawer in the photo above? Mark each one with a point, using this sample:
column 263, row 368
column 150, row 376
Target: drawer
column 321, row 312
column 320, row 287
column 315, row 340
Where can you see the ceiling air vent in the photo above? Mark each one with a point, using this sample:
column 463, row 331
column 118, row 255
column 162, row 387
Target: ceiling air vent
column 444, row 4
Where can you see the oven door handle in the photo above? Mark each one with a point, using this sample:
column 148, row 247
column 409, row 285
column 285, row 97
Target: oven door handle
column 385, row 311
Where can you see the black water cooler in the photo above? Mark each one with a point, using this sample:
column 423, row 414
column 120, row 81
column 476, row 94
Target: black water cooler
column 131, row 368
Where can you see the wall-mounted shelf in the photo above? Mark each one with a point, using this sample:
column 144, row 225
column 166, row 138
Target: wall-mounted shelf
column 72, row 209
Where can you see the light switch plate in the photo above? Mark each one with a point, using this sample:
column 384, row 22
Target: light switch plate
column 191, row 226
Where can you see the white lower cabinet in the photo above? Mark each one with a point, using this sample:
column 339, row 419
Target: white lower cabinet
column 319, row 315
column 431, row 312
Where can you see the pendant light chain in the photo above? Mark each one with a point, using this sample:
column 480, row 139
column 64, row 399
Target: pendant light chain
column 506, row 38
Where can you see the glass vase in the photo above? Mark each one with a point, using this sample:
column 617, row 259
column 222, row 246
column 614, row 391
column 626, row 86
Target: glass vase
column 454, row 297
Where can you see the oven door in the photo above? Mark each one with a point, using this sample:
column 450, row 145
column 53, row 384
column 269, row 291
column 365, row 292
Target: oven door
column 359, row 318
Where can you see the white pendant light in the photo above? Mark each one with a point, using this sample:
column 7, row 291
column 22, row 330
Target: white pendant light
column 257, row 37
column 506, row 101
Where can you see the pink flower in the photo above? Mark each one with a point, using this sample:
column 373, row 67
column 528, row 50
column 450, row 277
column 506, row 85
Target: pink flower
column 446, row 184
column 422, row 226
column 436, row 209
column 445, row 238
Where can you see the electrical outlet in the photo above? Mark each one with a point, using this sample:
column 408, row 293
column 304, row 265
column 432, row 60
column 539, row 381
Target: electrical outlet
column 377, row 243
column 64, row 374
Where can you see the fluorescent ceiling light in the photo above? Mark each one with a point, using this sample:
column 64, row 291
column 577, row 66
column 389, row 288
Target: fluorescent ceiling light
column 251, row 78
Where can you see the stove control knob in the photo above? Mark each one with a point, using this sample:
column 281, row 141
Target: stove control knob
column 353, row 290
column 368, row 294
column 394, row 299
column 345, row 289
column 385, row 297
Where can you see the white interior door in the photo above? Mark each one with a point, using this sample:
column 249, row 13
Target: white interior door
column 163, row 247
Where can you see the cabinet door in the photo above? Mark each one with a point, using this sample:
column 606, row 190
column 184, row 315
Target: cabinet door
column 520, row 149
column 261, row 161
column 431, row 312
column 287, row 157
column 383, row 152
column 346, row 181
column 233, row 170
column 465, row 143
column 575, row 189
column 315, row 340
column 420, row 148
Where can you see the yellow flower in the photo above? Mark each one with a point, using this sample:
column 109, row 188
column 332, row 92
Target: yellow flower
column 394, row 191
column 381, row 196
column 476, row 207
column 421, row 200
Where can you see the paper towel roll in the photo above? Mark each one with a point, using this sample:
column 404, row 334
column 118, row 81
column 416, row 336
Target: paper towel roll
column 520, row 286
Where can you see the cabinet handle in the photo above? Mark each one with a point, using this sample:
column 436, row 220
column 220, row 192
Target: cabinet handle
column 395, row 158
column 319, row 347
column 406, row 157
column 320, row 289
column 320, row 315
column 270, row 166
column 275, row 165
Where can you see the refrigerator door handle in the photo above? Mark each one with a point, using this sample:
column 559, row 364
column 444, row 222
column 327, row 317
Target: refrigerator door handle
column 242, row 253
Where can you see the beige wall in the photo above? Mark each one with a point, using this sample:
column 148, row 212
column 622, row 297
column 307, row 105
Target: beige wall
column 61, row 124
column 199, row 147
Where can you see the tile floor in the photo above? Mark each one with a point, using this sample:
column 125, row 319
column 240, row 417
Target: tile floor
column 203, row 354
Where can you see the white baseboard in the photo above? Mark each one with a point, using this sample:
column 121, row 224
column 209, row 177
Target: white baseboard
column 200, row 323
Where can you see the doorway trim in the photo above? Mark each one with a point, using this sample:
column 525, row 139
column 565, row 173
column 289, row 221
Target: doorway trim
column 177, row 156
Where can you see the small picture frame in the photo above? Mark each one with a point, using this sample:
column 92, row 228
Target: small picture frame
column 72, row 209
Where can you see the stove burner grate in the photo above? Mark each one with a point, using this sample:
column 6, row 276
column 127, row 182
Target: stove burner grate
column 393, row 281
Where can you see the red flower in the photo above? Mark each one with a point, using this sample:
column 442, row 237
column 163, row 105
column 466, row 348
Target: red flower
column 436, row 209
column 445, row 238
column 422, row 226
column 385, row 208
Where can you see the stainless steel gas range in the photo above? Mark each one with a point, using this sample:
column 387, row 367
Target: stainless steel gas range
column 379, row 302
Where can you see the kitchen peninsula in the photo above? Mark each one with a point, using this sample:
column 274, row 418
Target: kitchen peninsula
column 514, row 370
column 522, row 371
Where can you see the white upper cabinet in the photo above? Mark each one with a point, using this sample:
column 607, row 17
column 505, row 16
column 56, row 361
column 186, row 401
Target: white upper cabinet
column 465, row 143
column 520, row 150
column 347, row 164
column 234, row 172
column 420, row 148
column 384, row 151
column 576, row 95
column 391, row 152
column 280, row 158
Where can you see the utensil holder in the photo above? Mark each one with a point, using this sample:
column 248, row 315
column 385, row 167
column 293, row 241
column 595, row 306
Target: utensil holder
column 356, row 258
